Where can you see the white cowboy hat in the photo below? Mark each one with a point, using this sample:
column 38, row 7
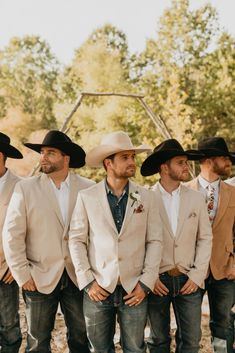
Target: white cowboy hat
column 112, row 143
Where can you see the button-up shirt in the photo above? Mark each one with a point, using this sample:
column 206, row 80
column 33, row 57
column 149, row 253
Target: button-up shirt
column 62, row 195
column 117, row 205
column 171, row 202
column 203, row 187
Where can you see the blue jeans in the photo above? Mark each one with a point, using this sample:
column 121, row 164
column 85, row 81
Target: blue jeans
column 187, row 310
column 101, row 321
column 41, row 311
column 221, row 299
column 10, row 334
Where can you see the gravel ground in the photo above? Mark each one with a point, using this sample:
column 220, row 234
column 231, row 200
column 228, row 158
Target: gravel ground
column 59, row 344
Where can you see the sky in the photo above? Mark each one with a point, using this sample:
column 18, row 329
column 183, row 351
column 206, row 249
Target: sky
column 66, row 24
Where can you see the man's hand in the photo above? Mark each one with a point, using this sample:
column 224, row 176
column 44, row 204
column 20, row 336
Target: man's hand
column 160, row 288
column 135, row 297
column 97, row 293
column 8, row 278
column 30, row 285
column 231, row 274
column 189, row 287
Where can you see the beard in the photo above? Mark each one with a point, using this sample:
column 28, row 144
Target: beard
column 128, row 173
column 179, row 176
column 222, row 171
column 49, row 168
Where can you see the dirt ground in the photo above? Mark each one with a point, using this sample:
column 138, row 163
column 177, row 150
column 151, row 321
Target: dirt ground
column 59, row 344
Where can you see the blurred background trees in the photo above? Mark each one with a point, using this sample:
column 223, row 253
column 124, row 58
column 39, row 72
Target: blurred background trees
column 186, row 74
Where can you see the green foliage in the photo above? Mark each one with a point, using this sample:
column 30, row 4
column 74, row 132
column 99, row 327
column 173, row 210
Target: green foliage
column 28, row 74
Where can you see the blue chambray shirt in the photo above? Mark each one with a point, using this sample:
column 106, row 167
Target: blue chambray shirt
column 117, row 205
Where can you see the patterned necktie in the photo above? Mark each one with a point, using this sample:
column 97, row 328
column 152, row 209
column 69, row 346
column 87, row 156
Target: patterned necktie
column 210, row 202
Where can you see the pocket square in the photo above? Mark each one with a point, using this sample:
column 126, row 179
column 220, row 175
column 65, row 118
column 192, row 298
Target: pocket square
column 192, row 214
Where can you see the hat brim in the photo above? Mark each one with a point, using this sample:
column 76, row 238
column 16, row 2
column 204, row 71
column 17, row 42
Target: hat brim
column 10, row 151
column 214, row 152
column 152, row 163
column 96, row 156
column 76, row 153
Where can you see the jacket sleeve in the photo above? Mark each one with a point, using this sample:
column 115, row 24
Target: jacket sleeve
column 78, row 240
column 154, row 239
column 203, row 246
column 14, row 236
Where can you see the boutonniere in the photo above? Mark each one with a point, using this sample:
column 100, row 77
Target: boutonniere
column 136, row 199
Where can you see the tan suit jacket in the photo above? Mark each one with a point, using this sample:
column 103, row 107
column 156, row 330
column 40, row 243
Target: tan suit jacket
column 190, row 248
column 222, row 257
column 99, row 252
column 35, row 237
column 230, row 181
column 5, row 197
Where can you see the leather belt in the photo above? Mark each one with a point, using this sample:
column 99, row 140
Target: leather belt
column 174, row 272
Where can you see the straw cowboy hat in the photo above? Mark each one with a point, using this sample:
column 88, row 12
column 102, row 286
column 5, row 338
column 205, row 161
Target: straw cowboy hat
column 62, row 142
column 112, row 143
column 7, row 148
column 165, row 151
column 215, row 147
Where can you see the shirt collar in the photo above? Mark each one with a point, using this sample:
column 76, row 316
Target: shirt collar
column 109, row 191
column 175, row 192
column 65, row 183
column 204, row 183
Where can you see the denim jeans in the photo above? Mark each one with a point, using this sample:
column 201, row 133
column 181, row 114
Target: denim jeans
column 41, row 311
column 187, row 310
column 10, row 334
column 101, row 321
column 221, row 299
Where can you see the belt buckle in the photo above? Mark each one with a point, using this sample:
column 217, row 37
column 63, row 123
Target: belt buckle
column 174, row 272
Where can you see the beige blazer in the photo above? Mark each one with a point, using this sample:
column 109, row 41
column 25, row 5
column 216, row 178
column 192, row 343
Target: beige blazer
column 35, row 238
column 99, row 252
column 222, row 257
column 5, row 196
column 190, row 249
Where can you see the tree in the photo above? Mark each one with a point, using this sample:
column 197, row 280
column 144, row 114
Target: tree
column 28, row 75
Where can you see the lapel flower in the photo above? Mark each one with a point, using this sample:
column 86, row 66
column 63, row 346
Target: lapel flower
column 136, row 198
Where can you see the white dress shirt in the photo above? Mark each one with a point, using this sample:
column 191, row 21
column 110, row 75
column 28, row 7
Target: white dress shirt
column 3, row 180
column 203, row 184
column 62, row 195
column 171, row 202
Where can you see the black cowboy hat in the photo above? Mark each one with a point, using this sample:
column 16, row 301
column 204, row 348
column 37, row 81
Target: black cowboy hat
column 165, row 151
column 215, row 147
column 8, row 149
column 58, row 139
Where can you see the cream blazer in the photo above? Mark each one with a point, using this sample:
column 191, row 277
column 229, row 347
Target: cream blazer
column 223, row 229
column 35, row 238
column 99, row 252
column 5, row 196
column 190, row 248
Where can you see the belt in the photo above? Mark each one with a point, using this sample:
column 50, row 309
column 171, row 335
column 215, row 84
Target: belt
column 174, row 272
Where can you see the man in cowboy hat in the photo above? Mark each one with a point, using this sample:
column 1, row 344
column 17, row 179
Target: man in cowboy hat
column 10, row 334
column 219, row 284
column 187, row 242
column 36, row 243
column 115, row 245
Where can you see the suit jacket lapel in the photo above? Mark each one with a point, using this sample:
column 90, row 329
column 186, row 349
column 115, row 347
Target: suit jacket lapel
column 102, row 197
column 182, row 209
column 129, row 207
column 163, row 213
column 73, row 191
column 224, row 197
column 50, row 195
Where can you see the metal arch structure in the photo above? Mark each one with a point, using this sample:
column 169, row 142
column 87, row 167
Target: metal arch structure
column 156, row 119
